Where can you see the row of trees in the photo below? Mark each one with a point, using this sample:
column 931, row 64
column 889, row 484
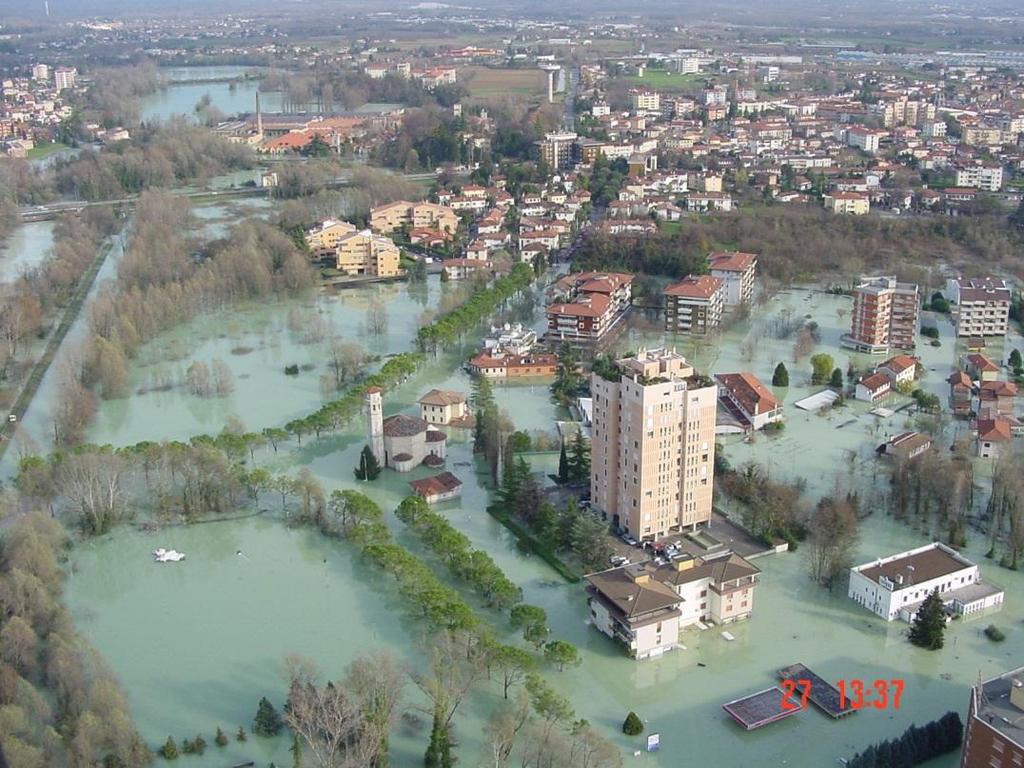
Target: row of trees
column 917, row 745
column 449, row 328
column 473, row 566
column 59, row 704
column 769, row 509
column 466, row 650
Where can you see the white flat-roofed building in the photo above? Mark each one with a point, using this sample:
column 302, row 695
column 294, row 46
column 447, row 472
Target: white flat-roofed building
column 895, row 586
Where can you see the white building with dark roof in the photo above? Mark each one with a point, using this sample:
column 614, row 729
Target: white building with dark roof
column 895, row 586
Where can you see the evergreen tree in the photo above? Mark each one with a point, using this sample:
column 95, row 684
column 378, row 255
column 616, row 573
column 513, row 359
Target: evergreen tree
column 268, row 721
column 837, row 379
column 240, row 736
column 221, row 739
column 169, row 751
column 781, row 376
column 563, row 465
column 929, row 624
column 369, row 467
column 1016, row 363
column 633, row 725
column 579, row 461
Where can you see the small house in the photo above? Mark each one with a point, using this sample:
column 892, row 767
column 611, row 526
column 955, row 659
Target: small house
column 979, row 367
column 992, row 436
column 901, row 370
column 873, row 388
column 442, row 406
column 442, row 487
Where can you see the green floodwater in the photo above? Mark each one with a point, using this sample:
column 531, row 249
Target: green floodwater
column 196, row 644
column 180, row 98
column 24, row 248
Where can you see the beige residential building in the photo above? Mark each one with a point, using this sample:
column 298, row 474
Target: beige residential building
column 653, row 445
column 443, row 406
column 853, row 203
column 364, row 253
column 644, row 606
column 323, row 238
column 391, row 216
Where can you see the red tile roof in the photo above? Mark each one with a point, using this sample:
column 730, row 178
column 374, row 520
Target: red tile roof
column 994, row 430
column 732, row 261
column 695, row 287
column 753, row 396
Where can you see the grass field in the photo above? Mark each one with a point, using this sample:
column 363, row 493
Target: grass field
column 45, row 150
column 665, row 81
column 484, row 81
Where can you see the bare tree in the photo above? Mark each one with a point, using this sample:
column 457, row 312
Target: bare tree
column 91, row 481
column 345, row 361
column 457, row 662
column 833, row 530
column 376, row 318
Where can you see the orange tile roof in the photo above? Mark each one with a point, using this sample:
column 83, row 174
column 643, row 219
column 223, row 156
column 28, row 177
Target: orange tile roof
column 732, row 261
column 695, row 287
column 754, row 396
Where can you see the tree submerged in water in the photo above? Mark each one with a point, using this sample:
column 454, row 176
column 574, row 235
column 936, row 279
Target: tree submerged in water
column 929, row 625
column 369, row 467
column 267, row 722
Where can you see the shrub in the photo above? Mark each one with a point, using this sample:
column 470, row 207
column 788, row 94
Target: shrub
column 994, row 633
column 632, row 726
column 291, row 370
column 169, row 751
column 781, row 376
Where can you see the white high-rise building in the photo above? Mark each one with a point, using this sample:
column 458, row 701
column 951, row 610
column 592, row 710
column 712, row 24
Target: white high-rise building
column 40, row 72
column 64, row 77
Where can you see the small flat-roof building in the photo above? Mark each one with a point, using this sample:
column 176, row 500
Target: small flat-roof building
column 895, row 586
column 906, row 445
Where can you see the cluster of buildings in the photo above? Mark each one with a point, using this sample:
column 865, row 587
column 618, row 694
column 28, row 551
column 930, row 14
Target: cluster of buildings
column 795, row 145
column 33, row 106
column 510, row 353
column 696, row 304
column 588, row 307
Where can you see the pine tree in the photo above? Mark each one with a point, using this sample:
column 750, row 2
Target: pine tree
column 169, row 751
column 268, row 721
column 579, row 462
column 240, row 736
column 633, row 725
column 369, row 467
column 837, row 379
column 929, row 624
column 781, row 376
column 563, row 465
column 1015, row 360
column 221, row 739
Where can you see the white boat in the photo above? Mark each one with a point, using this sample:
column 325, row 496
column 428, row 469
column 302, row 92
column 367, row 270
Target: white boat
column 162, row 555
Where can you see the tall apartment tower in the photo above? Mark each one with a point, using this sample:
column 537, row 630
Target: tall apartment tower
column 653, row 445
column 884, row 317
column 375, row 422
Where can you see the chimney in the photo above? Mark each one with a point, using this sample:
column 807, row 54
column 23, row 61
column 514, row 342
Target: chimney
column 1017, row 693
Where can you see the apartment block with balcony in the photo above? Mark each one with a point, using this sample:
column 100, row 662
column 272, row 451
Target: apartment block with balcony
column 884, row 317
column 737, row 270
column 694, row 305
column 981, row 307
column 645, row 606
column 366, row 254
column 587, row 306
column 323, row 238
column 984, row 176
column 391, row 216
column 653, row 444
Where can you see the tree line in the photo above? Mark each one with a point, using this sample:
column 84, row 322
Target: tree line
column 450, row 327
column 916, row 745
column 536, row 723
column 60, row 706
column 800, row 243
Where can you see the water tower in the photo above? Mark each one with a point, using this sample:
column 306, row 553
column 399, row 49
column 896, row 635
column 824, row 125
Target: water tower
column 551, row 70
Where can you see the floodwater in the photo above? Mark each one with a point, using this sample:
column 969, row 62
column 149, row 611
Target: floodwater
column 25, row 247
column 232, row 98
column 198, row 643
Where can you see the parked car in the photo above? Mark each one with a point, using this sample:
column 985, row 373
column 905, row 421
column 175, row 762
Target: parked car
column 629, row 539
column 618, row 560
